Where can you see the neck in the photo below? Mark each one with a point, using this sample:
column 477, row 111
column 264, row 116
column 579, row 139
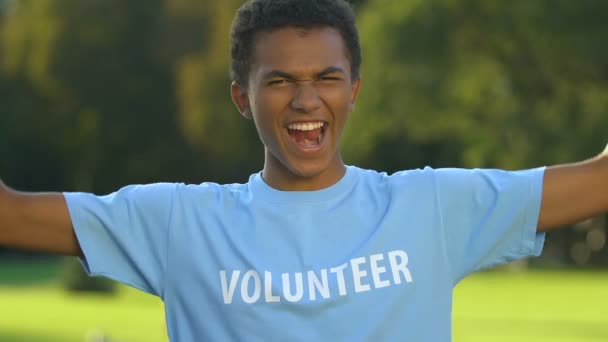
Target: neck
column 281, row 177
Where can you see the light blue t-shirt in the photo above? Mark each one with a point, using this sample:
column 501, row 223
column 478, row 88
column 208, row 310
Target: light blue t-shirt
column 374, row 257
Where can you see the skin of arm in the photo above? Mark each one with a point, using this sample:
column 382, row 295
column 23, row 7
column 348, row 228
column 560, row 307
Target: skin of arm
column 36, row 222
column 574, row 192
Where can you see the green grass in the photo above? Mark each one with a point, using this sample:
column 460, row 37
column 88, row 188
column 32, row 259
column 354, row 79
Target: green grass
column 51, row 314
column 36, row 309
column 538, row 306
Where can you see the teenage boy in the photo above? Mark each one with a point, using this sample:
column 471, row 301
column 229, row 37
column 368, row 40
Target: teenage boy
column 308, row 249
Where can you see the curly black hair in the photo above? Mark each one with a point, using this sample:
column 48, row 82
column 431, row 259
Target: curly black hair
column 268, row 15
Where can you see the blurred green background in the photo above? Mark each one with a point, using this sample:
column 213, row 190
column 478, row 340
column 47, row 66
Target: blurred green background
column 98, row 94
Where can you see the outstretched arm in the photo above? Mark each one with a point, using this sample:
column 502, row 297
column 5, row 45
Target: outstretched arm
column 574, row 192
column 36, row 222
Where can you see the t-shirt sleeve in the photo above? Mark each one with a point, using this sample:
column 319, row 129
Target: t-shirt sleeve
column 123, row 235
column 490, row 217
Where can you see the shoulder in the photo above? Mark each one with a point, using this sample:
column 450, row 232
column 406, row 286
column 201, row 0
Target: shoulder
column 438, row 177
column 408, row 183
column 135, row 194
column 400, row 178
column 211, row 192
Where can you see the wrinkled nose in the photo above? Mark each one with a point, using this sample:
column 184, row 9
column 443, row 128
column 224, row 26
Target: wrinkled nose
column 306, row 99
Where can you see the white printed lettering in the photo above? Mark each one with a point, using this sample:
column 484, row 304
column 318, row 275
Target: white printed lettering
column 399, row 266
column 257, row 287
column 287, row 287
column 291, row 286
column 315, row 284
column 270, row 298
column 228, row 291
column 339, row 271
column 377, row 270
column 358, row 274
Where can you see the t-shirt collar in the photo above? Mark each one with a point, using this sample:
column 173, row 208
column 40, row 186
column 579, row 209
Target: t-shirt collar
column 261, row 190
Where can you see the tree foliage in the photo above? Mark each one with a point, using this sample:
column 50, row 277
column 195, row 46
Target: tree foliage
column 208, row 118
column 115, row 92
column 495, row 84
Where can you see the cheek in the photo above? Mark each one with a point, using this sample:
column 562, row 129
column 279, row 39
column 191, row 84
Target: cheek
column 267, row 108
column 339, row 100
column 271, row 103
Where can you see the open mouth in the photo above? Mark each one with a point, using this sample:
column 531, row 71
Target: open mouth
column 307, row 135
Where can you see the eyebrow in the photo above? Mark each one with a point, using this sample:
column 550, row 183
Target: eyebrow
column 283, row 74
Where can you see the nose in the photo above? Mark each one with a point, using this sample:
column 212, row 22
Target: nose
column 306, row 99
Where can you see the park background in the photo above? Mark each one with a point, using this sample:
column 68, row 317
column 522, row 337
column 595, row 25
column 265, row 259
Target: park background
column 98, row 94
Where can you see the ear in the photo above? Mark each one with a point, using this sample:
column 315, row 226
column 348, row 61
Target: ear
column 240, row 97
column 354, row 93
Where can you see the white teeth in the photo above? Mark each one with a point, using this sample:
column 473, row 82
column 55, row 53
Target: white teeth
column 309, row 126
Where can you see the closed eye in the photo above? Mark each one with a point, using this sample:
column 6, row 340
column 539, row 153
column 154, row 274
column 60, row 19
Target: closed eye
column 329, row 78
column 278, row 82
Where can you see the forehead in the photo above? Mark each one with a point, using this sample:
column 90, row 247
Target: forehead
column 299, row 51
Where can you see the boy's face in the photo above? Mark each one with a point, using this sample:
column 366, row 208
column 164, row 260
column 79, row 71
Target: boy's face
column 299, row 95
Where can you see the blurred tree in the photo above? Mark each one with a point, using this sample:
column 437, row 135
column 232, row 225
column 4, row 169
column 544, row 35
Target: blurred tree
column 110, row 110
column 510, row 84
column 357, row 3
column 207, row 116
